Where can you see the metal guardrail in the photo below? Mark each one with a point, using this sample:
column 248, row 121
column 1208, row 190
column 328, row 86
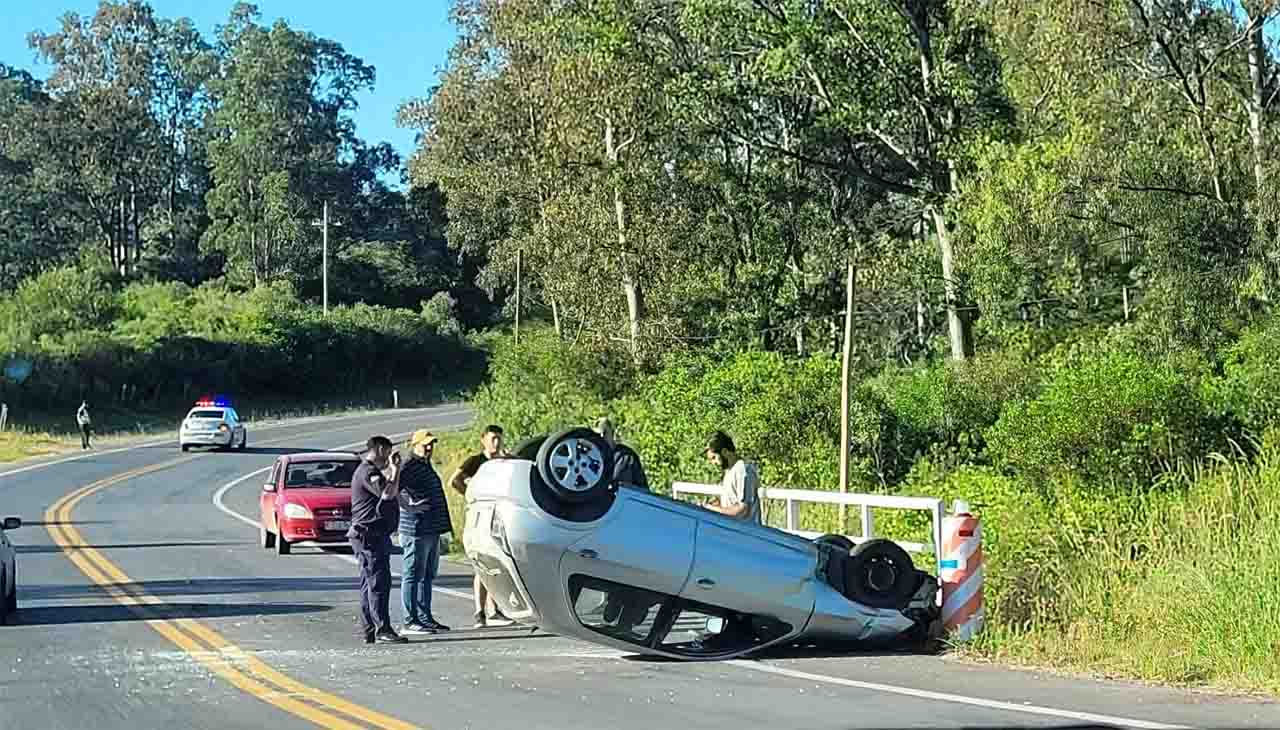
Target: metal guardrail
column 793, row 498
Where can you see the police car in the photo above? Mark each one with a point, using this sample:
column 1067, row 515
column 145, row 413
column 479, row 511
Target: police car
column 213, row 422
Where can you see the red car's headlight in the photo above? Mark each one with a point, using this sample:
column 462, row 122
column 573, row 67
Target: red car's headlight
column 297, row 512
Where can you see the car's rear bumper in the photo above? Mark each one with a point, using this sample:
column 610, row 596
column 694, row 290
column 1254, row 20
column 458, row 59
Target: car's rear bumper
column 497, row 570
column 205, row 438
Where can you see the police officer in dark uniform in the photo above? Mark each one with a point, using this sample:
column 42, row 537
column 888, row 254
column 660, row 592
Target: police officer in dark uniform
column 375, row 486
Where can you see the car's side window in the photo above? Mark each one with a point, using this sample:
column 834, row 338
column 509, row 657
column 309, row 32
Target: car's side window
column 666, row 622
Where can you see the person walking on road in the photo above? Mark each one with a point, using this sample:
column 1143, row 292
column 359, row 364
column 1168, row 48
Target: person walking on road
column 491, row 443
column 375, row 487
column 85, row 423
column 740, row 482
column 424, row 517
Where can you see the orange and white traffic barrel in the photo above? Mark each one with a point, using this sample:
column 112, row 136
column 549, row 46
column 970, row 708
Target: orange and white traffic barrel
column 961, row 572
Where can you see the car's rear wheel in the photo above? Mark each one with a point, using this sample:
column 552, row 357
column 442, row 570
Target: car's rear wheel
column 266, row 537
column 880, row 574
column 244, row 441
column 185, row 447
column 282, row 545
column 577, row 465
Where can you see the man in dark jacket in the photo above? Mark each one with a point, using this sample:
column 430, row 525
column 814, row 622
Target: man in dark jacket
column 424, row 517
column 375, row 486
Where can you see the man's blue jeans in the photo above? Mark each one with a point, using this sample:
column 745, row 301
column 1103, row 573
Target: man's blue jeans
column 421, row 563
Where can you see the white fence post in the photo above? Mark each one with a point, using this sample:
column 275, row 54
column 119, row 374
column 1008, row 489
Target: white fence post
column 868, row 523
column 4, row 415
column 793, row 515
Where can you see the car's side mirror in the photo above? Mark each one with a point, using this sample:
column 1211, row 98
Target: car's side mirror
column 715, row 625
column 269, row 487
column 12, row 523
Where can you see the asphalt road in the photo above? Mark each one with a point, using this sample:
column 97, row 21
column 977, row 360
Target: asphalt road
column 146, row 602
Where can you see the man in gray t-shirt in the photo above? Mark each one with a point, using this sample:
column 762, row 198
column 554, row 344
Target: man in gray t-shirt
column 741, row 481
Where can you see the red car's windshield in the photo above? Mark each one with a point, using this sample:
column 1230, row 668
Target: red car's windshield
column 320, row 474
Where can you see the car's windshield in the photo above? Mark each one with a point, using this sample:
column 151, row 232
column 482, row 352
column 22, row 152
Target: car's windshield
column 320, row 474
column 206, row 414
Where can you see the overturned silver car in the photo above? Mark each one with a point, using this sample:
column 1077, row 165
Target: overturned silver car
column 562, row 546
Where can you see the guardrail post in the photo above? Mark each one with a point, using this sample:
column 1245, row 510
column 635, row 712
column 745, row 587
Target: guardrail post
column 793, row 514
column 868, row 523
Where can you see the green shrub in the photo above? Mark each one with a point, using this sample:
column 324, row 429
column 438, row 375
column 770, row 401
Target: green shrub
column 944, row 409
column 543, row 384
column 783, row 414
column 161, row 343
column 1105, row 415
column 1249, row 389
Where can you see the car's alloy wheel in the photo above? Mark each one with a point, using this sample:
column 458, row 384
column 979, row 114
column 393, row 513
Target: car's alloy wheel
column 576, row 464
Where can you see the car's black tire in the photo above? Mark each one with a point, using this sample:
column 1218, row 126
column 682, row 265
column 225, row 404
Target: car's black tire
column 9, row 613
column 266, row 537
column 880, row 575
column 282, row 545
column 839, row 541
column 576, row 465
column 185, row 447
column 528, row 449
column 244, row 441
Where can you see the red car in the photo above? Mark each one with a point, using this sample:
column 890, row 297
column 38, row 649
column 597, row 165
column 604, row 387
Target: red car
column 308, row 499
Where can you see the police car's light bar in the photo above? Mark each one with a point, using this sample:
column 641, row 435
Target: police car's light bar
column 218, row 401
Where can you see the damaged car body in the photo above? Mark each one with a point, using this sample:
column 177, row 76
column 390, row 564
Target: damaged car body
column 560, row 545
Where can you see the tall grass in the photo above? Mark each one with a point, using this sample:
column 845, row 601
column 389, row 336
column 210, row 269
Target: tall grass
column 1182, row 585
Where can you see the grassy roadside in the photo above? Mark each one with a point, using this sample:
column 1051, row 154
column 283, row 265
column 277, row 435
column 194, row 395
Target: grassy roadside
column 42, row 434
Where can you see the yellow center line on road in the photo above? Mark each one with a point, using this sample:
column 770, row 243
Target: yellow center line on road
column 219, row 655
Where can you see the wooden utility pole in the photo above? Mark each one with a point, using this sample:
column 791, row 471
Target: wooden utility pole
column 844, row 390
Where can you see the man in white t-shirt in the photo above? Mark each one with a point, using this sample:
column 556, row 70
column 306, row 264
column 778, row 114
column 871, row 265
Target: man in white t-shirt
column 741, row 481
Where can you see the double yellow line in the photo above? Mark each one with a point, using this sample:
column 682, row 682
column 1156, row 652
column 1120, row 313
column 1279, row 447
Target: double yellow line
column 203, row 644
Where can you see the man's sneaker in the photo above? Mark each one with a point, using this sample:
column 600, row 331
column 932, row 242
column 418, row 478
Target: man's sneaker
column 434, row 626
column 415, row 627
column 391, row 637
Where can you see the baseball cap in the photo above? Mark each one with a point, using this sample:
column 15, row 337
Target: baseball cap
column 420, row 437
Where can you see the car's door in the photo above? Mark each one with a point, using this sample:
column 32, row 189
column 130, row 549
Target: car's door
column 617, row 576
column 738, row 566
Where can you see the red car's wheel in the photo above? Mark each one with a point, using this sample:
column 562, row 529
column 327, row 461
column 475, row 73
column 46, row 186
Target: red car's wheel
column 282, row 545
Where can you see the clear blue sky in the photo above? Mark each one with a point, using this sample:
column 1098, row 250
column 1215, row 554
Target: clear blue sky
column 406, row 41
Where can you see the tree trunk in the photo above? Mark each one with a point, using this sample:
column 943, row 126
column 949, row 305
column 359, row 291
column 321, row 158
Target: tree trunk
column 1257, row 59
column 555, row 317
column 630, row 287
column 844, row 386
column 959, row 328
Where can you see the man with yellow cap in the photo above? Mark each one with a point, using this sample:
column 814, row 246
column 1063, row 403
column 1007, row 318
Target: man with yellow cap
column 424, row 517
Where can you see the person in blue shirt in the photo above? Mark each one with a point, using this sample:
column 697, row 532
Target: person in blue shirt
column 424, row 517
